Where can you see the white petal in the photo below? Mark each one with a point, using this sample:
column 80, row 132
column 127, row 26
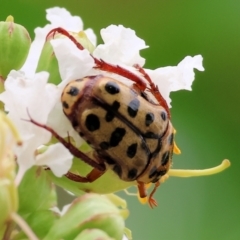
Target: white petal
column 57, row 158
column 58, row 17
column 38, row 98
column 73, row 63
column 171, row 79
column 160, row 77
column 184, row 74
column 121, row 46
column 59, row 122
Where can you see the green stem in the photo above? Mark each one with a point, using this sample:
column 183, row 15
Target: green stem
column 24, row 226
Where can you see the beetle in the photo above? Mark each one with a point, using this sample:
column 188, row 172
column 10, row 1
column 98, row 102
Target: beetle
column 129, row 131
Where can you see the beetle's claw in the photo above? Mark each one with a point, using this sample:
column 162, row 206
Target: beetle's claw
column 152, row 202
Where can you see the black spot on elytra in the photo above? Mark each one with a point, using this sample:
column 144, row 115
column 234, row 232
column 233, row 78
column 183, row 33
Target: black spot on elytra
column 163, row 116
column 133, row 107
column 81, row 134
column 73, row 91
column 74, row 123
column 118, row 170
column 112, row 88
column 161, row 172
column 158, row 175
column 151, row 135
column 132, row 149
column 153, row 172
column 109, row 160
column 115, row 106
column 132, row 174
column 110, row 114
column 92, row 122
column 170, row 139
column 165, row 158
column 65, row 105
column 88, row 142
column 145, row 96
column 116, row 136
column 104, row 145
column 149, row 119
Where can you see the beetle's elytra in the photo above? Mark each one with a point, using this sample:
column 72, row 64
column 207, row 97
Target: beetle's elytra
column 129, row 133
column 133, row 136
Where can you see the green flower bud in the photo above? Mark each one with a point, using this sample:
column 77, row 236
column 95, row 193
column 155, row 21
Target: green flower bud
column 48, row 62
column 93, row 234
column 90, row 211
column 15, row 43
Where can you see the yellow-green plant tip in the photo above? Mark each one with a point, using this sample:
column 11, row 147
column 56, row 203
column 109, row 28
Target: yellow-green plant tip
column 82, row 38
column 41, row 149
column 128, row 233
column 93, row 234
column 124, row 213
column 202, row 172
column 10, row 18
column 116, row 200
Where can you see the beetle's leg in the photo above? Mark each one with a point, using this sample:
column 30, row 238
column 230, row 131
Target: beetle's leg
column 154, row 89
column 65, row 33
column 102, row 65
column 142, row 189
column 91, row 177
column 143, row 194
column 72, row 149
column 152, row 202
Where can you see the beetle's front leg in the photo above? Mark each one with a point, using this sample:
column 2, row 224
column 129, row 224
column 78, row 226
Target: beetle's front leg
column 101, row 64
column 154, row 89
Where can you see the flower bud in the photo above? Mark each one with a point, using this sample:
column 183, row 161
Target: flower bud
column 15, row 43
column 48, row 61
column 91, row 211
column 93, row 234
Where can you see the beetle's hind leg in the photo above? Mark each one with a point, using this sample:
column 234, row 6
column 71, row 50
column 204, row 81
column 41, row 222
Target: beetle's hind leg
column 91, row 177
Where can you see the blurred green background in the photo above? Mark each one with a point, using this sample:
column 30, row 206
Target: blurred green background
column 207, row 119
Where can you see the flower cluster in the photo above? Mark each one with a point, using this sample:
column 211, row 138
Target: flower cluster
column 35, row 90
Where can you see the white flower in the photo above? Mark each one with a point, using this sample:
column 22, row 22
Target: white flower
column 170, row 79
column 58, row 17
column 30, row 91
column 121, row 46
column 35, row 96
